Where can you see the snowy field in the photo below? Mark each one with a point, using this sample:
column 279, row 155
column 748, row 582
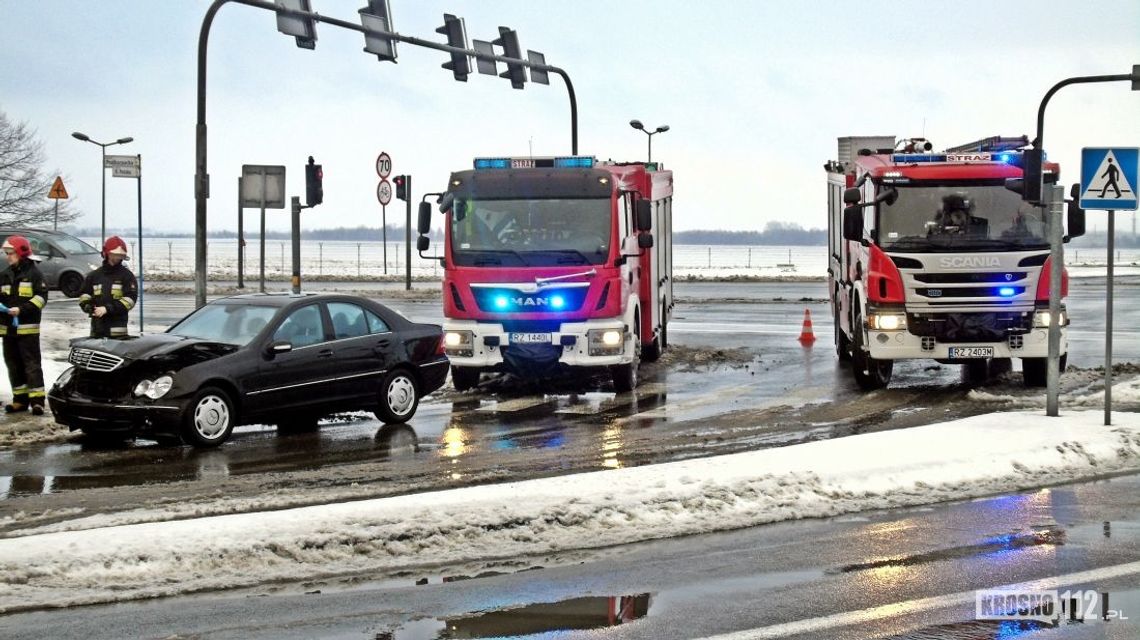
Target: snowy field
column 167, row 257
column 982, row 455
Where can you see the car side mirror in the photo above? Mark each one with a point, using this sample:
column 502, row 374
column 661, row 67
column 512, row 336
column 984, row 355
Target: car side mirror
column 853, row 223
column 644, row 211
column 1075, row 214
column 852, row 196
column 278, row 347
column 644, row 241
column 423, row 224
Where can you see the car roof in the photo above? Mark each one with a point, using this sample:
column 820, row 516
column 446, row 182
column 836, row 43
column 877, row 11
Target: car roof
column 284, row 298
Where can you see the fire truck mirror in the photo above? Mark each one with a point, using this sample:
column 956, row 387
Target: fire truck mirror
column 422, row 243
column 852, row 196
column 446, row 202
column 889, row 196
column 1075, row 224
column 645, row 241
column 423, row 224
column 853, row 223
column 644, row 216
column 1016, row 185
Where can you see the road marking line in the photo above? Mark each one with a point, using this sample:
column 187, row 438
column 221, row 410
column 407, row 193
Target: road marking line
column 895, row 609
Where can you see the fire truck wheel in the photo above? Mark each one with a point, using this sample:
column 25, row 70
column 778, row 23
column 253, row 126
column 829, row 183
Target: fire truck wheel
column 625, row 375
column 870, row 373
column 1036, row 370
column 399, row 397
column 653, row 352
column 977, row 371
column 464, row 378
column 842, row 344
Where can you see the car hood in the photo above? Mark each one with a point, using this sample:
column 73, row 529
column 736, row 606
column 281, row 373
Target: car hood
column 163, row 347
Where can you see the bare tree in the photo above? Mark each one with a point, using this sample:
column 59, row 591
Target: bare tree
column 24, row 186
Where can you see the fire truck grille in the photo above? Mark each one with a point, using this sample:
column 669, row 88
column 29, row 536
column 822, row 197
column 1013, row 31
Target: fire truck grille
column 554, row 299
column 969, row 327
column 970, row 292
column 969, row 278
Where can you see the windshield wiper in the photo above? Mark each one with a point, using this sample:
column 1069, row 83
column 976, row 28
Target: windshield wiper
column 570, row 252
column 494, row 260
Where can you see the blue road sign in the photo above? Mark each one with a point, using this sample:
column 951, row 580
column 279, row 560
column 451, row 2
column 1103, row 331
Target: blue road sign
column 1109, row 178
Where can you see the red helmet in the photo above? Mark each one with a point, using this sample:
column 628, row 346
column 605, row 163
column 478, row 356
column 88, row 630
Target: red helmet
column 19, row 245
column 114, row 244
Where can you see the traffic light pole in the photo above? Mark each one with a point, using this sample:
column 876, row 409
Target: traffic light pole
column 408, row 235
column 297, row 244
column 201, row 175
column 1053, row 374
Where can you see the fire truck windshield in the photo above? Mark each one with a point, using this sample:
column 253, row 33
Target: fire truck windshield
column 959, row 217
column 530, row 232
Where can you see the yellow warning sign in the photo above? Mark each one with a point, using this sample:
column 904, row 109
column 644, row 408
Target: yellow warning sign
column 58, row 191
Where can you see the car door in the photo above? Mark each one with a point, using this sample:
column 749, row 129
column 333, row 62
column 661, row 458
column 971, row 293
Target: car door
column 50, row 259
column 304, row 377
column 359, row 349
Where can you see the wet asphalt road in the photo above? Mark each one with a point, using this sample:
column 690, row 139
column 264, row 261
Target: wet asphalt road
column 907, row 573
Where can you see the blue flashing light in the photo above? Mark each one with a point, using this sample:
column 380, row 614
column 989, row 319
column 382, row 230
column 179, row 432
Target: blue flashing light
column 918, row 157
column 557, row 302
column 501, row 302
column 1007, row 292
column 574, row 162
column 492, row 163
column 1004, row 157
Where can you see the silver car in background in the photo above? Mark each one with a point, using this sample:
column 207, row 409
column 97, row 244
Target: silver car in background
column 63, row 259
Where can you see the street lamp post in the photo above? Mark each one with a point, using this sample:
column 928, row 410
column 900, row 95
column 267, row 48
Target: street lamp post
column 103, row 171
column 636, row 124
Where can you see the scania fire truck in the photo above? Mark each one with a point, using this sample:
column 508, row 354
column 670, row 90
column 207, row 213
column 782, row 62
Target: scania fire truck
column 553, row 263
column 932, row 255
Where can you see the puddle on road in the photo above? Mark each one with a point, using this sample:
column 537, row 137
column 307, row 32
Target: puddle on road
column 575, row 614
column 1050, row 536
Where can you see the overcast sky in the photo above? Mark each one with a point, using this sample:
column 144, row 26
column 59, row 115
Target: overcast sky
column 755, row 93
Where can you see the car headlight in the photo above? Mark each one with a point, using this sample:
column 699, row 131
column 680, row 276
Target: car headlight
column 65, row 377
column 160, row 387
column 154, row 389
column 886, row 321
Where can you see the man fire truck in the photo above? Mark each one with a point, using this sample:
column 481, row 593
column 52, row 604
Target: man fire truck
column 932, row 256
column 555, row 262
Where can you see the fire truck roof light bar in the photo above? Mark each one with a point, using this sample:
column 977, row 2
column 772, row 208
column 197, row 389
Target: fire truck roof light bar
column 560, row 162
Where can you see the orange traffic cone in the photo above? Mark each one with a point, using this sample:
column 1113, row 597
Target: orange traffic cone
column 807, row 336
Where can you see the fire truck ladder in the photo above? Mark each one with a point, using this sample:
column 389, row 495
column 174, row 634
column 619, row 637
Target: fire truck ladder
column 991, row 144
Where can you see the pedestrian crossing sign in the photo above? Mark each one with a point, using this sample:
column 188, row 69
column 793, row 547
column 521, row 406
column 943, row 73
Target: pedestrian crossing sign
column 1109, row 178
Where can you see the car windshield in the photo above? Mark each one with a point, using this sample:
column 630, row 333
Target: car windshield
column 959, row 217
column 235, row 324
column 530, row 232
column 71, row 244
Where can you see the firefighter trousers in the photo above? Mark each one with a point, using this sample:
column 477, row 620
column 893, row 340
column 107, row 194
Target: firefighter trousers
column 25, row 371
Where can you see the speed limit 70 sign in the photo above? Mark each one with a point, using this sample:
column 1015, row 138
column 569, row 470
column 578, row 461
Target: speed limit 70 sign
column 384, row 192
column 383, row 164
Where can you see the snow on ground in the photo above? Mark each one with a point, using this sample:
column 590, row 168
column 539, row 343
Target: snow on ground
column 982, row 455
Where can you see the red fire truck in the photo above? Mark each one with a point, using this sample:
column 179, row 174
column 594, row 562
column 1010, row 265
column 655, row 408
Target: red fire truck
column 555, row 262
column 932, row 256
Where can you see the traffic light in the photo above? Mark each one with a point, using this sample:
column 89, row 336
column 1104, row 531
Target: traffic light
column 303, row 29
column 401, row 187
column 377, row 16
column 314, row 192
column 509, row 41
column 456, row 33
column 1032, row 174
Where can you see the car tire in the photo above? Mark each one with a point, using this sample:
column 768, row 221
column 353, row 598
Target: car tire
column 399, row 397
column 209, row 418
column 464, row 378
column 71, row 284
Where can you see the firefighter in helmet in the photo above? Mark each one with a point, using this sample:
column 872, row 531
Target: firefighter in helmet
column 957, row 216
column 110, row 292
column 24, row 294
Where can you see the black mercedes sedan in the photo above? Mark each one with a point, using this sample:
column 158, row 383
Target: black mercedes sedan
column 279, row 359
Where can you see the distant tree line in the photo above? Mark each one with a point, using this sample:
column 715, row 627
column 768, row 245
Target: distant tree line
column 774, row 233
column 361, row 233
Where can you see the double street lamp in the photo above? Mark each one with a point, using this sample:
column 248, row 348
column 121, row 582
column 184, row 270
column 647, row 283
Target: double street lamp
column 103, row 171
column 636, row 124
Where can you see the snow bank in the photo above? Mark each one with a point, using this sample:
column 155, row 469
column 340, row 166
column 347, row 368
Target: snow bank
column 977, row 456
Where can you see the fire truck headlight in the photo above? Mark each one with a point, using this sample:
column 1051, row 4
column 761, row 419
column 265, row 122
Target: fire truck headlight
column 459, row 343
column 1042, row 319
column 606, row 342
column 887, row 321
